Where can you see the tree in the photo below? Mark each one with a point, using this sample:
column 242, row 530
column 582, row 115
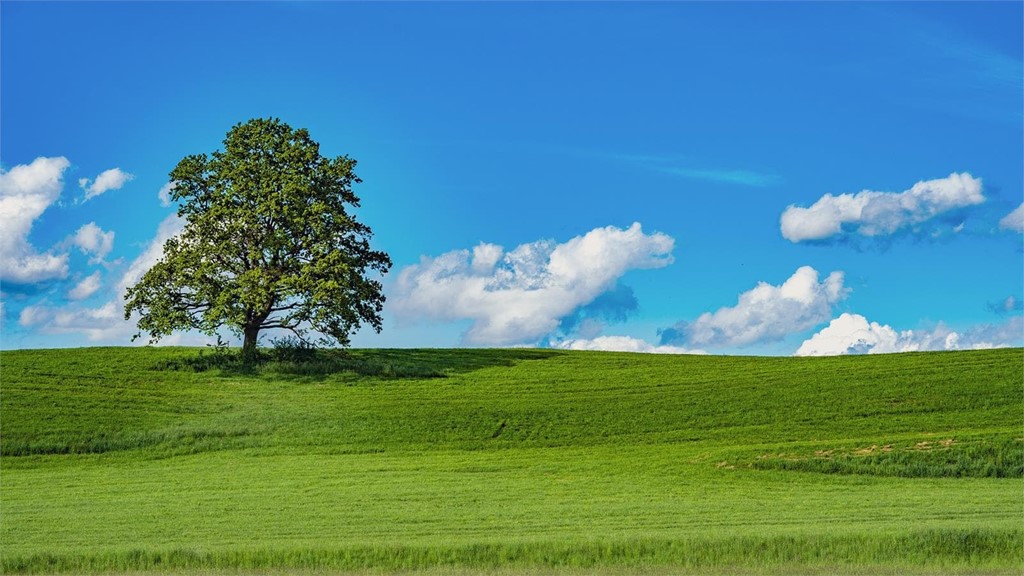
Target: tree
column 267, row 243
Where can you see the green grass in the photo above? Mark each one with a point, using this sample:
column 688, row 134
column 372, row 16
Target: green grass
column 983, row 457
column 116, row 460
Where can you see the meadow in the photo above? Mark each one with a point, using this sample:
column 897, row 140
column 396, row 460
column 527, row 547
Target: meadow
column 173, row 460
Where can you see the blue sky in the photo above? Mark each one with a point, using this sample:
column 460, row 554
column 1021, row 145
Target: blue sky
column 806, row 178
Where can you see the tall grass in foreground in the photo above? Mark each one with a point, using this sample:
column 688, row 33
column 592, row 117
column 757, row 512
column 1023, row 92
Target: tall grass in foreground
column 933, row 548
column 999, row 457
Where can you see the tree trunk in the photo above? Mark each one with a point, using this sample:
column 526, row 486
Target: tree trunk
column 249, row 344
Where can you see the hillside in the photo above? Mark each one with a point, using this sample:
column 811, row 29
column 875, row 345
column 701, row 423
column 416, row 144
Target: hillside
column 134, row 459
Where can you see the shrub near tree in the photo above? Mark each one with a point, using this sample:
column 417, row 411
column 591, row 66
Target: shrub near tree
column 268, row 242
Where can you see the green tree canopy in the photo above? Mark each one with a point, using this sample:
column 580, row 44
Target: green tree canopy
column 268, row 243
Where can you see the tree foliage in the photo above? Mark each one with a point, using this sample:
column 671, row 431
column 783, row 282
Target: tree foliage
column 268, row 242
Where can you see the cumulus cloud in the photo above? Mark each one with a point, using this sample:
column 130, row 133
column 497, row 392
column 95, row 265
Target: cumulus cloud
column 875, row 214
column 92, row 240
column 112, row 179
column 1014, row 220
column 765, row 313
column 165, row 193
column 854, row 334
column 520, row 296
column 87, row 287
column 622, row 344
column 26, row 191
column 105, row 322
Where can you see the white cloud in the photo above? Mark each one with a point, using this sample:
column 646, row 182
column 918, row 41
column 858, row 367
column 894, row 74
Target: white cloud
column 850, row 334
column 681, row 166
column 622, row 344
column 87, row 287
column 105, row 323
column 92, row 240
column 765, row 313
column 97, row 324
column 170, row 226
column 1014, row 220
column 854, row 334
column 518, row 297
column 870, row 213
column 485, row 257
column 108, row 180
column 33, row 315
column 165, row 193
column 26, row 191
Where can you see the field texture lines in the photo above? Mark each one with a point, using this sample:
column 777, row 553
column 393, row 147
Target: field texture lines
column 511, row 461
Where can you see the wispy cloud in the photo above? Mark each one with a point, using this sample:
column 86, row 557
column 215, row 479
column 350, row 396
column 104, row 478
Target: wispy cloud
column 989, row 68
column 965, row 65
column 684, row 167
column 165, row 193
column 1008, row 305
column 680, row 166
column 742, row 177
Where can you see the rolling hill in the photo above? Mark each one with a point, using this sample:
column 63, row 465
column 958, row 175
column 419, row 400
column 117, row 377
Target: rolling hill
column 117, row 460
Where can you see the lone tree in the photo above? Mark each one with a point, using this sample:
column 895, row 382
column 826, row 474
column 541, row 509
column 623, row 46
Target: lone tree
column 267, row 243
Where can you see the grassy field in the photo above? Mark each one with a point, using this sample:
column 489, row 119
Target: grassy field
column 117, row 460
